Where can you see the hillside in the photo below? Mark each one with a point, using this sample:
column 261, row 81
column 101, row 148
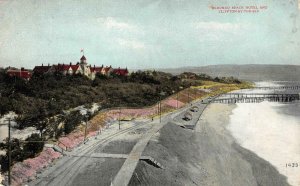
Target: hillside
column 45, row 101
column 251, row 72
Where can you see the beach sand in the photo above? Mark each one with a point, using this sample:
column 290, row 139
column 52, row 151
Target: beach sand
column 271, row 134
column 207, row 156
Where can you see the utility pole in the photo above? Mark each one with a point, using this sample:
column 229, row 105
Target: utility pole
column 9, row 154
column 159, row 109
column 177, row 100
column 119, row 118
column 180, row 88
column 173, row 91
column 85, row 130
column 9, row 151
column 160, row 94
column 188, row 95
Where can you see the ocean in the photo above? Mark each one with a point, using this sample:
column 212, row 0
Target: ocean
column 271, row 130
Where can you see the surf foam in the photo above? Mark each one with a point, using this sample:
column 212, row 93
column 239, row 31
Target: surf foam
column 274, row 137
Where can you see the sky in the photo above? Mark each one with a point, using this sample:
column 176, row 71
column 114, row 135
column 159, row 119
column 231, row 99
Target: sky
column 151, row 34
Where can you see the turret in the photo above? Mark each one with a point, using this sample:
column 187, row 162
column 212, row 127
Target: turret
column 83, row 59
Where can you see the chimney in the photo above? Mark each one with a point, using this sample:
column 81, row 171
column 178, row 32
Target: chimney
column 22, row 68
column 42, row 64
column 70, row 63
column 48, row 64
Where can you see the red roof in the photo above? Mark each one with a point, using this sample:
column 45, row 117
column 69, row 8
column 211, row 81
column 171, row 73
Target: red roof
column 74, row 67
column 25, row 74
column 61, row 68
column 106, row 69
column 120, row 71
column 41, row 69
column 96, row 69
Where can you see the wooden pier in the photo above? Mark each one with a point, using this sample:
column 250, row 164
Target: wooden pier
column 279, row 88
column 232, row 98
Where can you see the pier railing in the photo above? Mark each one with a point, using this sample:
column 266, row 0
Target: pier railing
column 279, row 87
column 255, row 98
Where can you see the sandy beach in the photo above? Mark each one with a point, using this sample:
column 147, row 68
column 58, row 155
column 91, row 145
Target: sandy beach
column 207, row 156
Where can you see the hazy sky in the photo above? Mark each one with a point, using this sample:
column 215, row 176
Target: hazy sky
column 147, row 33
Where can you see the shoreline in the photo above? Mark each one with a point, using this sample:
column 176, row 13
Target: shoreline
column 207, row 156
column 271, row 134
column 263, row 172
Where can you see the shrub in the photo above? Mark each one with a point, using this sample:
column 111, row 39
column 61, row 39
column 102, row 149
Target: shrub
column 17, row 154
column 33, row 145
column 72, row 121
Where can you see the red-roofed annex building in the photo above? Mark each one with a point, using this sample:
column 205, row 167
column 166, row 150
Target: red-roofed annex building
column 21, row 73
column 121, row 71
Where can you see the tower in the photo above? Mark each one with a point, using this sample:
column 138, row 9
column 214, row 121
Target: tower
column 83, row 59
column 84, row 67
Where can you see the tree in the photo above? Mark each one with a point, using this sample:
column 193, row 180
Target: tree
column 5, row 105
column 38, row 117
column 17, row 154
column 33, row 145
column 40, row 120
column 72, row 121
column 41, row 125
column 217, row 79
